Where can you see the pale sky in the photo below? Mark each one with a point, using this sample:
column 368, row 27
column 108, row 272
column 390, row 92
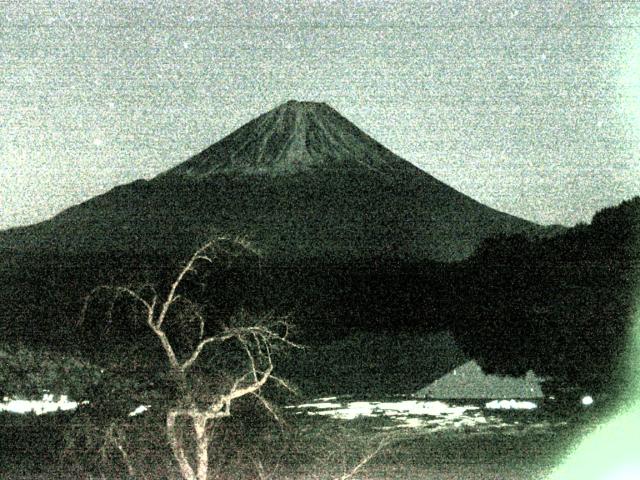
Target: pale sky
column 530, row 107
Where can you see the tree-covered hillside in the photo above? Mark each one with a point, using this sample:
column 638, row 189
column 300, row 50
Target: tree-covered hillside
column 561, row 306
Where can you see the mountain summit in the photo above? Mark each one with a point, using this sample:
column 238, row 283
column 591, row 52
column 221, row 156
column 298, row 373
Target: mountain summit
column 294, row 137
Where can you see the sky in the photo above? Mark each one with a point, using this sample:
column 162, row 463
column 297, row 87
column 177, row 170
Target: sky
column 531, row 107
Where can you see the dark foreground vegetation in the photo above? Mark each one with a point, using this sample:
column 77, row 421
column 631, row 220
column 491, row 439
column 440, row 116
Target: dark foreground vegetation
column 250, row 445
column 560, row 306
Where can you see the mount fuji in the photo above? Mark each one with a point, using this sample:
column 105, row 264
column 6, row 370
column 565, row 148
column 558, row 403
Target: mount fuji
column 300, row 181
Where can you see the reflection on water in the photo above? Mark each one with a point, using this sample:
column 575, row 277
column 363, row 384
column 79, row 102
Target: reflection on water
column 434, row 415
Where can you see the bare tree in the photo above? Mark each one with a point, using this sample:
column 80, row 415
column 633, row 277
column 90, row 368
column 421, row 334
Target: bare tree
column 255, row 339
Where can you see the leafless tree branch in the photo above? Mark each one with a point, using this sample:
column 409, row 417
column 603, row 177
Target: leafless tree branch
column 367, row 458
column 116, row 292
column 257, row 340
column 199, row 348
column 199, row 255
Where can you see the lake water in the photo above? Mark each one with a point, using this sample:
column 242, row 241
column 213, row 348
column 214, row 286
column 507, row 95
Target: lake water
column 400, row 412
column 504, row 415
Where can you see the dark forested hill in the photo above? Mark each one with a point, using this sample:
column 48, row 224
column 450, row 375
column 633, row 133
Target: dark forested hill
column 562, row 306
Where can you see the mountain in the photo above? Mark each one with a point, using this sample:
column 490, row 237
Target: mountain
column 300, row 182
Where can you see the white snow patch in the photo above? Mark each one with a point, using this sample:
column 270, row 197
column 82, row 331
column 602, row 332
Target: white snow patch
column 39, row 407
column 317, row 405
column 351, row 411
column 139, row 409
column 402, row 412
column 511, row 405
column 415, row 407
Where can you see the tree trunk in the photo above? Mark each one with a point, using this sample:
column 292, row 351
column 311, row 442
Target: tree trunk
column 178, row 448
column 202, row 446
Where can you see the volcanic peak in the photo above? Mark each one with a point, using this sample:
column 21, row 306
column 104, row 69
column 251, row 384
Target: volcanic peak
column 294, row 137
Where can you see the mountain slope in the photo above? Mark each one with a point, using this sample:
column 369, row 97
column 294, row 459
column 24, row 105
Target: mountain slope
column 299, row 181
